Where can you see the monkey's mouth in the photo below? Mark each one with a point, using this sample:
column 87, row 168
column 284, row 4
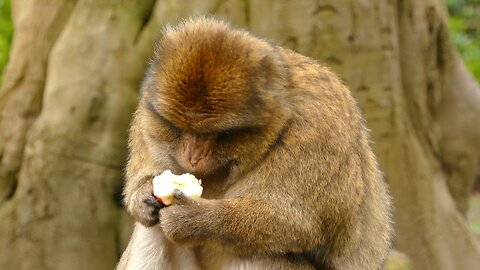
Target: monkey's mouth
column 210, row 172
column 214, row 170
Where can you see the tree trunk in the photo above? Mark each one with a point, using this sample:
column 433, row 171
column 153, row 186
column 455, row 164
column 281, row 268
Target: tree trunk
column 64, row 214
column 37, row 26
column 421, row 104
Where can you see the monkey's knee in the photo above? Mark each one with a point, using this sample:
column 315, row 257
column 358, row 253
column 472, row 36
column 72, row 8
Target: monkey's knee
column 271, row 263
column 145, row 251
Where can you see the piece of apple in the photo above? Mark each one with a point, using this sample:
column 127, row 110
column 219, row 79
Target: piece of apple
column 165, row 183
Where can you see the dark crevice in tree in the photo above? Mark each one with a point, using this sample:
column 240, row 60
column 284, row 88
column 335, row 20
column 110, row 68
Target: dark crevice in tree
column 442, row 51
column 247, row 12
column 118, row 196
column 291, row 42
column 11, row 190
column 431, row 93
column 324, row 8
column 146, row 18
column 353, row 25
column 334, row 60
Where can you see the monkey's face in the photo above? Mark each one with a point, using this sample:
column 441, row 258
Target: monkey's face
column 203, row 152
column 211, row 124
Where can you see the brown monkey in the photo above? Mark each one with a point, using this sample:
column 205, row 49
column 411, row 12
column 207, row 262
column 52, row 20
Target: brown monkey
column 290, row 181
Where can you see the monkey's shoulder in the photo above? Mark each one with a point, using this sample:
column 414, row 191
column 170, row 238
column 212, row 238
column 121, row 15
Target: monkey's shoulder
column 313, row 82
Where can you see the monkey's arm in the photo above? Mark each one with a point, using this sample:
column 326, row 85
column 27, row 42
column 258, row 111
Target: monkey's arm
column 294, row 208
column 246, row 226
column 140, row 169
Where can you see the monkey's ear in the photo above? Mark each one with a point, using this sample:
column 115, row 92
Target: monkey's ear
column 268, row 63
column 272, row 68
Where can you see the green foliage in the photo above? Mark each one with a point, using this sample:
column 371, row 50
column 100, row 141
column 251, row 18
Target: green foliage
column 398, row 261
column 464, row 24
column 474, row 214
column 6, row 32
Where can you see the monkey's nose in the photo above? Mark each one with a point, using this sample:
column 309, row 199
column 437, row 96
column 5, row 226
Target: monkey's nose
column 194, row 159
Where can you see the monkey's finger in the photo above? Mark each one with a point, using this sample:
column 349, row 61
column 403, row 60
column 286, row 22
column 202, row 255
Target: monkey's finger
column 152, row 201
column 180, row 197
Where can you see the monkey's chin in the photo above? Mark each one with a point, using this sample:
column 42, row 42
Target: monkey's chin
column 210, row 172
column 203, row 173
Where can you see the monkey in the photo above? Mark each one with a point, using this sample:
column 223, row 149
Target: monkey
column 290, row 180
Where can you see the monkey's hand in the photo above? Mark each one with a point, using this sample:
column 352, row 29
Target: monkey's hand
column 184, row 221
column 144, row 207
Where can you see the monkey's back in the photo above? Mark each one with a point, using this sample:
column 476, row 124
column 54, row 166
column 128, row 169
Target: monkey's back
column 362, row 228
column 290, row 179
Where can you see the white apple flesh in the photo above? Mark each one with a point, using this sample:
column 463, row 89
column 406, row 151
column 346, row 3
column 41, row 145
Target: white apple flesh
column 165, row 183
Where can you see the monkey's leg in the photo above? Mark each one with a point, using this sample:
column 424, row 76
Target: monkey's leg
column 215, row 258
column 267, row 264
column 150, row 250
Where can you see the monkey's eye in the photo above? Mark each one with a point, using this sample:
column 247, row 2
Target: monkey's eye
column 224, row 136
column 170, row 126
column 230, row 134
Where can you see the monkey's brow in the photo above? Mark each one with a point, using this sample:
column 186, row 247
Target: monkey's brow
column 149, row 105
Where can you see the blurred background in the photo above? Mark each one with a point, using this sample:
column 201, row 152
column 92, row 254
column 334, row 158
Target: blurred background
column 71, row 73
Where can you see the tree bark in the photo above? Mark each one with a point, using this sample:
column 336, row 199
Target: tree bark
column 420, row 102
column 37, row 26
column 64, row 214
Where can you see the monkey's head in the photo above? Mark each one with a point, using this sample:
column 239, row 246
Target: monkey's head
column 215, row 96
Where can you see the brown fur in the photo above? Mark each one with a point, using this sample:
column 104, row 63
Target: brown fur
column 290, row 181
